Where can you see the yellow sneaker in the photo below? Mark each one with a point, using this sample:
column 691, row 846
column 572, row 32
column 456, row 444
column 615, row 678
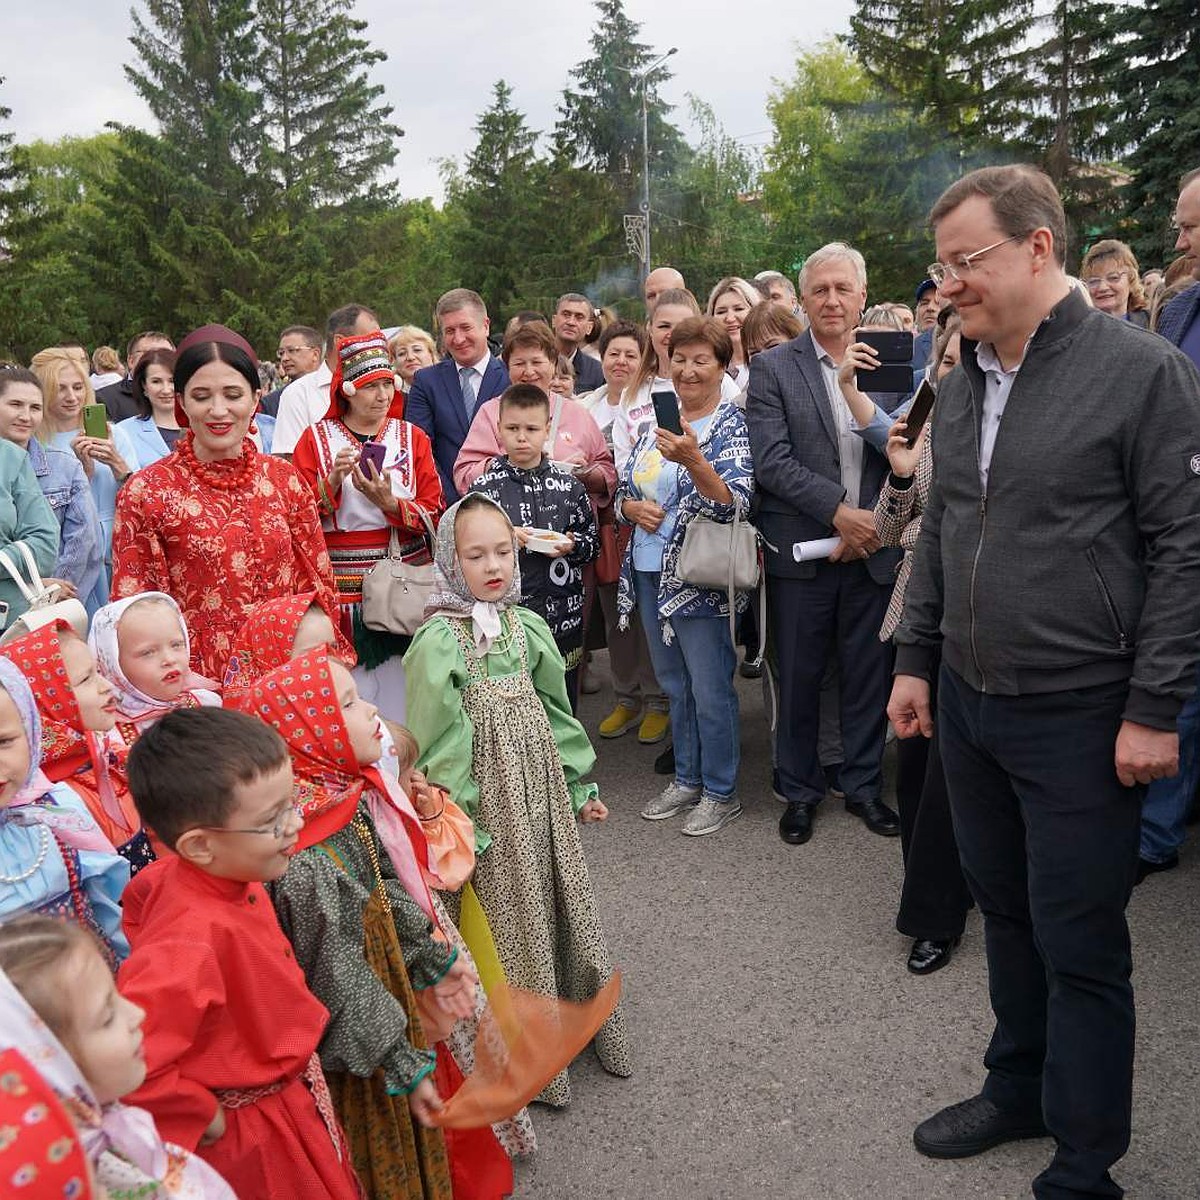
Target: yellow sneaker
column 655, row 726
column 621, row 720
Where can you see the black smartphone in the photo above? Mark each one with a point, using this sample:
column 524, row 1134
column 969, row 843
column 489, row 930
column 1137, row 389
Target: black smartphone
column 918, row 412
column 666, row 411
column 895, row 350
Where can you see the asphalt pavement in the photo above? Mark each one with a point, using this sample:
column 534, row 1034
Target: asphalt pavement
column 782, row 1049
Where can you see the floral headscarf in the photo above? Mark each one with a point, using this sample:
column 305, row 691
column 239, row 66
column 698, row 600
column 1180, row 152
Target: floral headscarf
column 299, row 700
column 451, row 596
column 68, row 750
column 106, row 646
column 265, row 641
column 121, row 1142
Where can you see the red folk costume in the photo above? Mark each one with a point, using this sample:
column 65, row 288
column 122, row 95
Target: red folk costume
column 300, row 703
column 357, row 532
column 230, row 1019
column 220, row 537
column 88, row 762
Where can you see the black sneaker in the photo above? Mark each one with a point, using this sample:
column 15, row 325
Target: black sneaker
column 1147, row 867
column 972, row 1126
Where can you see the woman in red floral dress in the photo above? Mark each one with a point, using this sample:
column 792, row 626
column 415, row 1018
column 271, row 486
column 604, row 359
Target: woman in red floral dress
column 216, row 524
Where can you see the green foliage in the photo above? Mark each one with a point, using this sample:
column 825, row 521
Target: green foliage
column 847, row 163
column 325, row 134
column 600, row 119
column 1156, row 63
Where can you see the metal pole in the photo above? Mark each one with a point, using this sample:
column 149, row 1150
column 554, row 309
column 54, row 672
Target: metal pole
column 645, row 179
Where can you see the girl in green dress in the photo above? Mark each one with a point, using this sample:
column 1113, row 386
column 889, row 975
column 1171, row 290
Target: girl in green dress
column 487, row 702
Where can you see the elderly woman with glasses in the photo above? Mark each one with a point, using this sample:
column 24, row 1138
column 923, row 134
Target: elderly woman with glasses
column 1113, row 279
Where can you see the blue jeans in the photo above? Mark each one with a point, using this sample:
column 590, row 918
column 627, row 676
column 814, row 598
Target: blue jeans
column 696, row 672
column 1165, row 809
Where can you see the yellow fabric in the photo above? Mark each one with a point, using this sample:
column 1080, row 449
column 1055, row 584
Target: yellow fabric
column 473, row 925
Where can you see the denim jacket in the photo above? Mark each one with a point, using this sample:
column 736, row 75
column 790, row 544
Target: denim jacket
column 726, row 445
column 65, row 486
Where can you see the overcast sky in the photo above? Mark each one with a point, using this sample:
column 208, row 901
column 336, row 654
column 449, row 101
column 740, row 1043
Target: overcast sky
column 442, row 61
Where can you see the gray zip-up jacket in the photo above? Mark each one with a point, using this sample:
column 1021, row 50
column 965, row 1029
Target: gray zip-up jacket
column 1081, row 564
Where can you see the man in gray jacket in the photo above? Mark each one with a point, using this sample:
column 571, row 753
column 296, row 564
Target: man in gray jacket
column 1059, row 569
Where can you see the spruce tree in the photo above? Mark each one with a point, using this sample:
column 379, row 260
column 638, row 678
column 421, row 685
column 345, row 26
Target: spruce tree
column 327, row 138
column 952, row 62
column 1156, row 73
column 600, row 120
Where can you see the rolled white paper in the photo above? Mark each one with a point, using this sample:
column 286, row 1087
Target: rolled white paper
column 809, row 551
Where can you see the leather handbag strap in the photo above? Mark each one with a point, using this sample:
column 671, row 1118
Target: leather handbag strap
column 34, row 589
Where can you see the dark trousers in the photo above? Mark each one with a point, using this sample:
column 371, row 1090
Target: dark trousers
column 1049, row 840
column 935, row 899
column 840, row 608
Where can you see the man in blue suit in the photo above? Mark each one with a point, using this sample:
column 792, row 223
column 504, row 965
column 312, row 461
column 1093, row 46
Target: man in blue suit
column 816, row 479
column 445, row 397
column 1179, row 322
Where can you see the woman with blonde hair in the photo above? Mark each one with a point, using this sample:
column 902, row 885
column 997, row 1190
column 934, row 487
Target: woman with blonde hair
column 730, row 302
column 411, row 349
column 107, row 461
column 1111, row 274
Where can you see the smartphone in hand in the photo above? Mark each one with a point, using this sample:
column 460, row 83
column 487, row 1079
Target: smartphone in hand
column 918, row 412
column 372, row 452
column 666, row 411
column 95, row 420
column 895, row 351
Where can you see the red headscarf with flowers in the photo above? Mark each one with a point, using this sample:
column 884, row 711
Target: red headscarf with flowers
column 69, row 751
column 265, row 642
column 300, row 701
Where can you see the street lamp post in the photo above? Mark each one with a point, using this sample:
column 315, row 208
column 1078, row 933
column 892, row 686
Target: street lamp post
column 642, row 77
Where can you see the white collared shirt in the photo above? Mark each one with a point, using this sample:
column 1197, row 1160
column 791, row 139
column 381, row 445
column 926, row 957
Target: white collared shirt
column 302, row 403
column 850, row 447
column 998, row 383
column 478, row 367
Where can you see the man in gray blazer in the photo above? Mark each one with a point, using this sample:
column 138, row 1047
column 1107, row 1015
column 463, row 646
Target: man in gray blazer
column 817, row 479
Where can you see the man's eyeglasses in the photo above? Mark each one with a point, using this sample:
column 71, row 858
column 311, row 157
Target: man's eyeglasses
column 940, row 272
column 287, row 821
column 292, row 350
column 1113, row 279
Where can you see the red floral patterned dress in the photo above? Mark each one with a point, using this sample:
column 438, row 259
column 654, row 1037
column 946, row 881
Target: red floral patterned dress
column 220, row 537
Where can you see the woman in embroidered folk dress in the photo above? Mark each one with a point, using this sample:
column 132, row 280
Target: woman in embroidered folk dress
column 218, row 525
column 80, row 744
column 361, row 505
column 53, row 858
column 488, row 706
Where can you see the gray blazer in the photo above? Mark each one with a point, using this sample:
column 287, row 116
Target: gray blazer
column 797, row 459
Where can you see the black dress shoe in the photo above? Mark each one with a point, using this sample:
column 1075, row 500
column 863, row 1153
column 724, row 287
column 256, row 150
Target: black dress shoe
column 1147, row 866
column 930, row 954
column 664, row 764
column 876, row 816
column 795, row 826
column 973, row 1126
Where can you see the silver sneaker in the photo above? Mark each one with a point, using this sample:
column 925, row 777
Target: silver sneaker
column 673, row 798
column 711, row 815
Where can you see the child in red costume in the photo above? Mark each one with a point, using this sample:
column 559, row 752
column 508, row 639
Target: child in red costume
column 232, row 1030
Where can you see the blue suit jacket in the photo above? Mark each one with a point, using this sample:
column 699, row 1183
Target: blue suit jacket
column 435, row 404
column 1175, row 320
column 797, row 458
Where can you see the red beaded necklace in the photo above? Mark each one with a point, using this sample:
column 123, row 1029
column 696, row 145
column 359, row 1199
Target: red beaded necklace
column 224, row 474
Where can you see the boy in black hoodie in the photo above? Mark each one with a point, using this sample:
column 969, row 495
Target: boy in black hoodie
column 538, row 496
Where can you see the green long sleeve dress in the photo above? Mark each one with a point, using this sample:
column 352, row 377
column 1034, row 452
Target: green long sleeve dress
column 498, row 733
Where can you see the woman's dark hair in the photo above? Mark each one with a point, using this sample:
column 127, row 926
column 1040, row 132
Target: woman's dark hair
column 622, row 329
column 153, row 358
column 704, row 330
column 12, row 373
column 765, row 321
column 201, row 354
column 185, row 769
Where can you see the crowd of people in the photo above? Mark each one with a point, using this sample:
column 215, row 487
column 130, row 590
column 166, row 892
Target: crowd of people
column 290, row 677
